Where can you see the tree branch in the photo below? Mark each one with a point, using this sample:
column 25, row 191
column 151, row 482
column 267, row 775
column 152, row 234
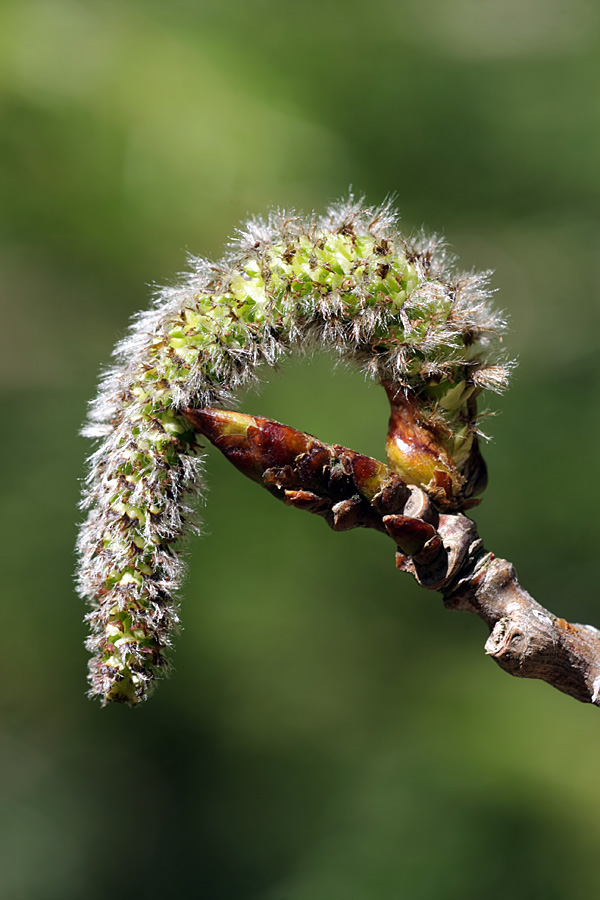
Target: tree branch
column 442, row 551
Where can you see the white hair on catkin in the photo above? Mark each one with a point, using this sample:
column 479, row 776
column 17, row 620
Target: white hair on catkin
column 347, row 280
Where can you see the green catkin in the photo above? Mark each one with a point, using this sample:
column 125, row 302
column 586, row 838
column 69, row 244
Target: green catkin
column 348, row 280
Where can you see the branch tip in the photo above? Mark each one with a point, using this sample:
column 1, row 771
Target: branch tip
column 442, row 551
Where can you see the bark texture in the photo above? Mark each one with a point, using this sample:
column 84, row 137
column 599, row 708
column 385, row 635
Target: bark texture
column 442, row 551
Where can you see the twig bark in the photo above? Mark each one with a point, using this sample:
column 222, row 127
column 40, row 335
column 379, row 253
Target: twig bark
column 442, row 551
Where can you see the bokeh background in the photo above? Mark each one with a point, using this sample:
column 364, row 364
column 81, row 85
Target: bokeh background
column 329, row 731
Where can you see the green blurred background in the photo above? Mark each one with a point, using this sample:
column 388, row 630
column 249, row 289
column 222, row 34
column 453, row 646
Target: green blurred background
column 329, row 731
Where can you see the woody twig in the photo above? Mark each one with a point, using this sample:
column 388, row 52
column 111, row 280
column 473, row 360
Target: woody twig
column 441, row 550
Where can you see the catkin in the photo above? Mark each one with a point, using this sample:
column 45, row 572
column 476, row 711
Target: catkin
column 349, row 281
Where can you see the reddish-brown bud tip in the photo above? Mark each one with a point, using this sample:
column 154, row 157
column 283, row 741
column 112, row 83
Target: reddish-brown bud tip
column 251, row 443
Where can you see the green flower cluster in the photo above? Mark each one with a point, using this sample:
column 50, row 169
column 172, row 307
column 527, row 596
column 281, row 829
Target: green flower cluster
column 347, row 281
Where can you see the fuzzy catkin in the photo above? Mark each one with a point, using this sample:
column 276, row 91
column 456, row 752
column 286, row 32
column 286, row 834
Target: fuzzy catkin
column 348, row 280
